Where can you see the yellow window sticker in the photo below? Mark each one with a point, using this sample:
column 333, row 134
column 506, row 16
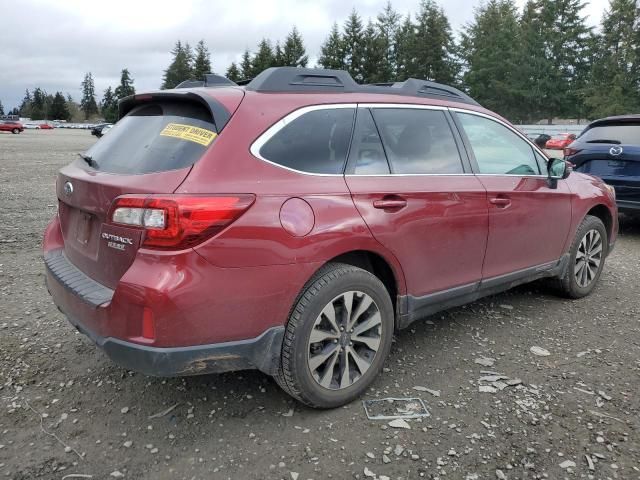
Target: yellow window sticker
column 187, row 132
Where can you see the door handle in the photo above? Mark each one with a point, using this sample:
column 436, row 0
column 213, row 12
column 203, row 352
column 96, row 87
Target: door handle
column 500, row 202
column 392, row 203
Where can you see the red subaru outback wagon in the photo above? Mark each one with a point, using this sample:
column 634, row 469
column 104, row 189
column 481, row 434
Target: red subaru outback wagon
column 292, row 225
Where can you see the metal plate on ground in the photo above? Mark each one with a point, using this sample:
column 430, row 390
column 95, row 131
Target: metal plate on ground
column 391, row 408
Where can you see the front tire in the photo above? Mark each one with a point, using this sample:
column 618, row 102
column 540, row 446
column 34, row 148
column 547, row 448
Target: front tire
column 586, row 261
column 337, row 338
column 15, row 131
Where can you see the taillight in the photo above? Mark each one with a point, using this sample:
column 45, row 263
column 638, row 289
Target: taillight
column 174, row 222
column 568, row 151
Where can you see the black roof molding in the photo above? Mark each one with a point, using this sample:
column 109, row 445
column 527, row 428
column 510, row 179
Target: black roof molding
column 293, row 79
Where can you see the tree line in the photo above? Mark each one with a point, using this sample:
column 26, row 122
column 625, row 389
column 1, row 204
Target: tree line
column 541, row 62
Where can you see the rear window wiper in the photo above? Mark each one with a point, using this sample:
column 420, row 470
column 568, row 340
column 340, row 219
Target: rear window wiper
column 615, row 142
column 87, row 159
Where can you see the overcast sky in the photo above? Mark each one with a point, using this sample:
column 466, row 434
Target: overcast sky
column 52, row 43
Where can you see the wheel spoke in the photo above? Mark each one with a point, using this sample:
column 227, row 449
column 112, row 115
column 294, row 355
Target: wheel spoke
column 362, row 364
column 329, row 312
column 321, row 336
column 580, row 255
column 597, row 249
column 372, row 342
column 347, row 298
column 345, row 380
column 590, row 273
column 365, row 303
column 327, row 377
column 584, row 275
column 368, row 324
column 317, row 360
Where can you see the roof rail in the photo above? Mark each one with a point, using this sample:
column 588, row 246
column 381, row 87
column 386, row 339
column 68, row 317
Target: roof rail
column 210, row 80
column 293, row 79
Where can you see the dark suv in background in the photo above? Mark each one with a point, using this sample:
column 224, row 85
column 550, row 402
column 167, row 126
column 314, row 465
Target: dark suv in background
column 295, row 224
column 610, row 149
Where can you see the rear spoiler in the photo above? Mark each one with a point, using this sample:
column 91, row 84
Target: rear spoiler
column 218, row 111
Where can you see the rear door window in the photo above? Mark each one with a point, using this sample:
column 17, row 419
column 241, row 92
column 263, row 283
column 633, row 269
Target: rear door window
column 155, row 137
column 366, row 156
column 621, row 134
column 315, row 142
column 418, row 141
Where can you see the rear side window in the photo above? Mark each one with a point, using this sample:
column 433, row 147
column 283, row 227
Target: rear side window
column 418, row 141
column 497, row 149
column 620, row 134
column 315, row 142
column 155, row 137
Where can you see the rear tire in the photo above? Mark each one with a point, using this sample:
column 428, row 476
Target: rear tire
column 15, row 131
column 586, row 259
column 337, row 338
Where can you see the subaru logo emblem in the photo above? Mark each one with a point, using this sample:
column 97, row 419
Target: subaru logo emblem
column 615, row 151
column 68, row 189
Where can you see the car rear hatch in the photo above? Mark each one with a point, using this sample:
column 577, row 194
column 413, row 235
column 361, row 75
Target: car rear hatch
column 149, row 151
column 610, row 149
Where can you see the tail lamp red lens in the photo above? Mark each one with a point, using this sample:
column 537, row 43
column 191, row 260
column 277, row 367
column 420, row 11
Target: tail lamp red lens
column 568, row 151
column 173, row 222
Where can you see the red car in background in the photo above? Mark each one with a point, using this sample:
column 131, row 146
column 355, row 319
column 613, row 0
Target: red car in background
column 294, row 224
column 11, row 126
column 45, row 126
column 560, row 141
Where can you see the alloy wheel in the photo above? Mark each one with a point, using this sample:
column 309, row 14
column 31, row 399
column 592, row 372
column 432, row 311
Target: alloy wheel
column 344, row 340
column 588, row 258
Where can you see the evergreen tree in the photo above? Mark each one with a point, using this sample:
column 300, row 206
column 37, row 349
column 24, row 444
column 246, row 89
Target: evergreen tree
column 375, row 52
column 39, row 104
column 615, row 84
column 58, row 109
column 88, row 102
column 1, row 108
column 433, row 55
column 246, row 65
column 264, row 58
column 25, row 105
column 202, row 62
column 331, row 51
column 491, row 52
column 388, row 25
column 532, row 78
column 404, row 41
column 14, row 112
column 181, row 68
column 294, row 54
column 278, row 56
column 233, row 73
column 126, row 88
column 109, row 105
column 353, row 46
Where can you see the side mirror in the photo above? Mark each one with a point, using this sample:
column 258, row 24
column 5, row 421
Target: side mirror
column 557, row 170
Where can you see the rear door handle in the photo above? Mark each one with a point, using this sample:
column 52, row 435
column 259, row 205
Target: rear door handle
column 391, row 203
column 500, row 202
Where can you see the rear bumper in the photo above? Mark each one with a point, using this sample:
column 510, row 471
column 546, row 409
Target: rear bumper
column 628, row 206
column 262, row 353
column 88, row 306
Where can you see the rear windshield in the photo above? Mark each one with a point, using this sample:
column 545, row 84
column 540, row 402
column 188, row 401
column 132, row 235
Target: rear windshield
column 627, row 133
column 155, row 137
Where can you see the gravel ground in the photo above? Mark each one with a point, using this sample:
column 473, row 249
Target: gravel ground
column 66, row 411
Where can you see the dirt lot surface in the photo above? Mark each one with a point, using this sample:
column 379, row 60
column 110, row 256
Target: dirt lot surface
column 66, row 411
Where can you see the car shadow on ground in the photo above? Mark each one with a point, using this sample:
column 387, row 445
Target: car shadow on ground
column 629, row 225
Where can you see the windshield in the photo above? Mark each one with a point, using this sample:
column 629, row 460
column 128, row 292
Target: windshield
column 155, row 137
column 627, row 133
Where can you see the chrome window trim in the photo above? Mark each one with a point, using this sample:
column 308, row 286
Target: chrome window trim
column 276, row 127
column 514, row 130
column 287, row 119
